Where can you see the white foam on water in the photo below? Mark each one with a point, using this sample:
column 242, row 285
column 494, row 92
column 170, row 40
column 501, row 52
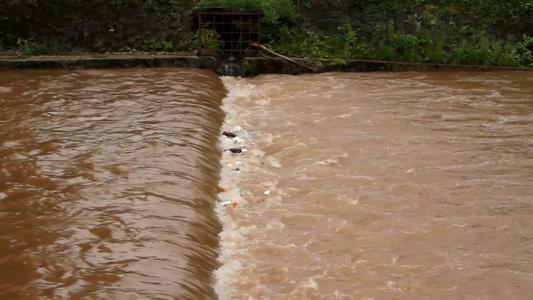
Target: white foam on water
column 234, row 237
column 337, row 209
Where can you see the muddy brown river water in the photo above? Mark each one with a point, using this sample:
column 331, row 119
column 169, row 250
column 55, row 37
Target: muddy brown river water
column 106, row 184
column 354, row 185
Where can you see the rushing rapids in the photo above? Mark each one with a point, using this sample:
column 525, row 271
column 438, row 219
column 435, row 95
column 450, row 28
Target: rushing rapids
column 352, row 186
column 379, row 186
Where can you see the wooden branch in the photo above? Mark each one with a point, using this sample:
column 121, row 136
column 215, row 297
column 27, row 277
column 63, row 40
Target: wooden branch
column 282, row 56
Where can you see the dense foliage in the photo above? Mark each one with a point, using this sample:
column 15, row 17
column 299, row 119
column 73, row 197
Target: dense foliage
column 444, row 31
column 484, row 32
column 274, row 12
column 50, row 26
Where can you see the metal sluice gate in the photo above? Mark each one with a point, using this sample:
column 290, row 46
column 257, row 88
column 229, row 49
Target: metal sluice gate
column 231, row 33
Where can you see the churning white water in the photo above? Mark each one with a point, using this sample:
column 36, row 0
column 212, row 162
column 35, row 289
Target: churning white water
column 378, row 186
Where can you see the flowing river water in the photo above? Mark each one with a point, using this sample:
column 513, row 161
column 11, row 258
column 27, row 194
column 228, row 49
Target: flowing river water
column 353, row 185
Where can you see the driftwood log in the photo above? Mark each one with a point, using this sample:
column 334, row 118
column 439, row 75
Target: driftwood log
column 282, row 56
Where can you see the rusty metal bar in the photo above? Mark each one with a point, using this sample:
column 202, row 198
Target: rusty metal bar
column 259, row 33
column 228, row 36
column 200, row 25
column 229, row 13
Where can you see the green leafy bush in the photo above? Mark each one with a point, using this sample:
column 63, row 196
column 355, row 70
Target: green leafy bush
column 159, row 45
column 274, row 12
column 210, row 39
column 304, row 42
column 28, row 47
column 523, row 52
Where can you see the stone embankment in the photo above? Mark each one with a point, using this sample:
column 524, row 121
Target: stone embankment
column 254, row 65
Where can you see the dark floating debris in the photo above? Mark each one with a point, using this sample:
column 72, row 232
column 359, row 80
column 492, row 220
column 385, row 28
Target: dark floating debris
column 229, row 134
column 234, row 150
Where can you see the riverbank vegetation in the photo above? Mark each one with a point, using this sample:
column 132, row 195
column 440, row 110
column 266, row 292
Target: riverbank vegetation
column 472, row 32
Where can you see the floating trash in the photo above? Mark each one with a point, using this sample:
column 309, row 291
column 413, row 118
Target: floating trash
column 226, row 203
column 229, row 134
column 267, row 192
column 228, row 140
column 220, row 189
column 273, row 162
column 237, row 129
column 234, row 150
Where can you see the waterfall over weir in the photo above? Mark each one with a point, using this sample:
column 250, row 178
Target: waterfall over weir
column 122, row 165
column 232, row 67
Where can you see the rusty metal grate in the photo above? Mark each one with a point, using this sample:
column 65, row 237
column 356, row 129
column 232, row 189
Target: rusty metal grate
column 232, row 33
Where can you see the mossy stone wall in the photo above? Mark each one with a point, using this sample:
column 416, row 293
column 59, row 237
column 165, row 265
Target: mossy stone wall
column 97, row 25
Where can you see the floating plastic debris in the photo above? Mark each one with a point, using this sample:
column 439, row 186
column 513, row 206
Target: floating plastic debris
column 220, row 189
column 273, row 162
column 229, row 134
column 228, row 140
column 267, row 192
column 229, row 163
column 226, row 203
column 237, row 129
column 234, row 150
